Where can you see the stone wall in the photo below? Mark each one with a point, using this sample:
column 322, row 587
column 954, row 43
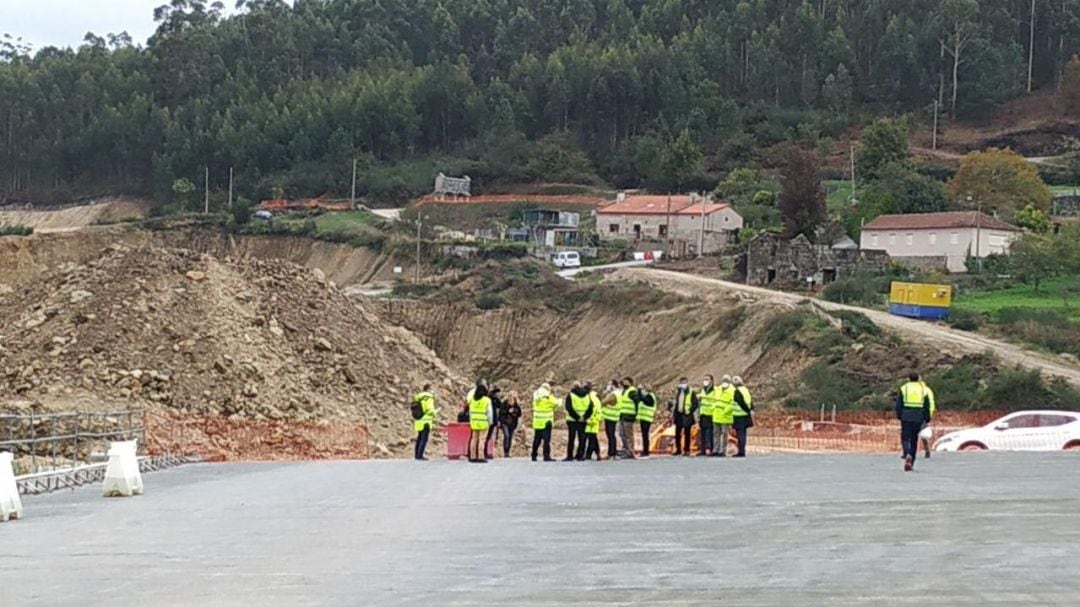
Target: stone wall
column 775, row 260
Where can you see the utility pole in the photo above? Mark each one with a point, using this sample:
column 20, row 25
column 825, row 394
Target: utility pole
column 978, row 235
column 230, row 187
column 1031, row 45
column 206, row 194
column 419, row 222
column 667, row 227
column 701, row 235
column 934, row 145
column 352, row 197
column 852, row 172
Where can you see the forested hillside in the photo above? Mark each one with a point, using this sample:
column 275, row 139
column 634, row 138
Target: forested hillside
column 662, row 93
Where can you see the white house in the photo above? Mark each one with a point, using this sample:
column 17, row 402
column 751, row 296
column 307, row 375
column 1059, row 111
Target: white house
column 950, row 236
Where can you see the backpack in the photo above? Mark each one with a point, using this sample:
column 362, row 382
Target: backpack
column 417, row 411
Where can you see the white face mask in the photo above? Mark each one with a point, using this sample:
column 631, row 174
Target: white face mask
column 682, row 386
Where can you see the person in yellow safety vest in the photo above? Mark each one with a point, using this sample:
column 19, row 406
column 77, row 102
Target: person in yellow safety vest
column 628, row 402
column 742, row 414
column 610, row 413
column 423, row 403
column 592, row 425
column 913, row 410
column 709, row 398
column 723, row 416
column 544, row 405
column 927, row 432
column 578, row 409
column 645, row 416
column 480, row 419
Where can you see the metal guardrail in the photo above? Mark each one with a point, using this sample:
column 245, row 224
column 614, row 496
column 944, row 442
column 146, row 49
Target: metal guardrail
column 47, row 442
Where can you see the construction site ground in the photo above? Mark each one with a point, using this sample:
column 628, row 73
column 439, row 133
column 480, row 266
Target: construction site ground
column 963, row 529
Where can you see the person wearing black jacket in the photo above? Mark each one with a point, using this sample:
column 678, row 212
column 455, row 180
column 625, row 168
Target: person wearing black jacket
column 685, row 407
column 579, row 407
column 509, row 415
column 496, row 406
column 913, row 410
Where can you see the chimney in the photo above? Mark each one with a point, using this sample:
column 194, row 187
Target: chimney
column 621, row 197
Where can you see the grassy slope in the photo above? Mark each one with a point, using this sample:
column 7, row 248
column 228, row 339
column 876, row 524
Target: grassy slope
column 1022, row 296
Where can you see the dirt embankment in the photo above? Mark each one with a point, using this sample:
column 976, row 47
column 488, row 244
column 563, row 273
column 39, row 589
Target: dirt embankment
column 173, row 328
column 23, row 259
column 72, row 218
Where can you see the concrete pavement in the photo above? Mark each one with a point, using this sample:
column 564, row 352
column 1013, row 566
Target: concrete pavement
column 965, row 529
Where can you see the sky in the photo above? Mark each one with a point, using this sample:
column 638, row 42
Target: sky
column 64, row 22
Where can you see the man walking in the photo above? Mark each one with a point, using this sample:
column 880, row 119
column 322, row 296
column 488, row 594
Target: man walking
column 424, row 405
column 742, row 414
column 709, row 398
column 610, row 413
column 578, row 407
column 544, row 405
column 628, row 402
column 646, row 415
column 913, row 410
column 723, row 416
column 686, row 406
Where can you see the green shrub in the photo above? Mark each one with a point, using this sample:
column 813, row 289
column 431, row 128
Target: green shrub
column 965, row 320
column 856, row 324
column 16, row 230
column 861, row 290
column 957, row 387
column 412, row 289
column 824, row 384
column 688, row 335
column 784, row 328
column 1047, row 328
column 489, row 301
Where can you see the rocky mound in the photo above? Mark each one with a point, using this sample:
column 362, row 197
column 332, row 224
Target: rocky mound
column 252, row 339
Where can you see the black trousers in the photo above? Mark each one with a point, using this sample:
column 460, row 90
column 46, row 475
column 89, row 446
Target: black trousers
column 682, row 438
column 740, row 436
column 488, row 441
column 542, row 436
column 508, row 438
column 421, row 442
column 592, row 446
column 909, row 438
column 705, row 437
column 576, row 434
column 609, row 431
column 645, row 438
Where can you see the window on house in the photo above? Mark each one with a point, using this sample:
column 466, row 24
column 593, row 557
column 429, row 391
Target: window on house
column 892, row 238
column 637, row 231
column 662, row 230
column 874, row 240
column 954, row 238
column 910, row 238
column 933, row 238
column 613, row 228
column 997, row 240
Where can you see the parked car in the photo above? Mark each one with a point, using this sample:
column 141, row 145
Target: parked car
column 566, row 259
column 1023, row 431
column 264, row 215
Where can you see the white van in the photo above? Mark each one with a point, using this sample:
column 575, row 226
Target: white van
column 566, row 259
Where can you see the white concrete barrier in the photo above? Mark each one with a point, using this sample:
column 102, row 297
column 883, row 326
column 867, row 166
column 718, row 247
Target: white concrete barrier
column 10, row 502
column 122, row 476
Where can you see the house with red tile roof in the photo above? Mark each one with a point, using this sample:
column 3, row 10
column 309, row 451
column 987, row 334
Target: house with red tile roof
column 687, row 221
column 951, row 236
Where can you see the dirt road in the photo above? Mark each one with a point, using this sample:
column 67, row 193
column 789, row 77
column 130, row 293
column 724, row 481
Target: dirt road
column 958, row 342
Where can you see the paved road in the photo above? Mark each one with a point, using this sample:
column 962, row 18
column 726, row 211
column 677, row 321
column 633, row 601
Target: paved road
column 950, row 340
column 965, row 529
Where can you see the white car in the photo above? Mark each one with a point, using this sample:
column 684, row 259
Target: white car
column 566, row 259
column 1023, row 431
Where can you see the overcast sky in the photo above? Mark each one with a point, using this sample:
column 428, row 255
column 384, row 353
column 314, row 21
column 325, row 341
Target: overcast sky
column 65, row 22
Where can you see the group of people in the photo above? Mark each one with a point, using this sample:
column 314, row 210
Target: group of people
column 623, row 409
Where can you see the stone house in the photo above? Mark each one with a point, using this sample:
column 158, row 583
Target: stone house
column 685, row 221
column 772, row 259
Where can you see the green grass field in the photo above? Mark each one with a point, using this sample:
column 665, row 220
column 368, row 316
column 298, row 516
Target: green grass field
column 838, row 193
column 344, row 222
column 1049, row 296
column 1063, row 190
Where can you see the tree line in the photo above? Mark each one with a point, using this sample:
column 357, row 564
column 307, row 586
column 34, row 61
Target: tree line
column 656, row 93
